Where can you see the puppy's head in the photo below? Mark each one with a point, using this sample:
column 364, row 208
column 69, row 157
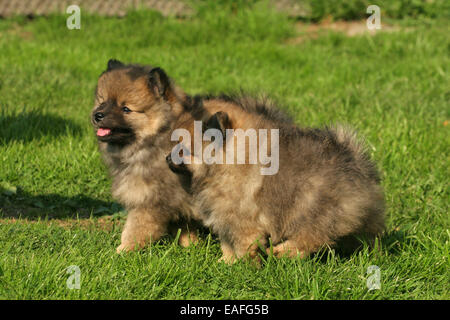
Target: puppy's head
column 132, row 102
column 183, row 158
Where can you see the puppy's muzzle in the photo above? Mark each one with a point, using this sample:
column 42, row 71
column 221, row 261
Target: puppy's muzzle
column 169, row 159
column 180, row 168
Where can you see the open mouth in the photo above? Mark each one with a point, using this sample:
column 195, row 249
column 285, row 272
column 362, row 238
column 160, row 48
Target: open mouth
column 103, row 132
column 115, row 135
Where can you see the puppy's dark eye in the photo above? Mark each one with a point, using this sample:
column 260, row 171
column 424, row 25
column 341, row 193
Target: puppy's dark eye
column 126, row 110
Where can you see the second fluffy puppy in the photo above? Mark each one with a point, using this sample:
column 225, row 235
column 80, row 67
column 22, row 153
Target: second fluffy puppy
column 325, row 189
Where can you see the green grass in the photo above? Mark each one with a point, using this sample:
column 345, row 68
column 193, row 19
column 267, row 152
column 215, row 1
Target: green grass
column 392, row 87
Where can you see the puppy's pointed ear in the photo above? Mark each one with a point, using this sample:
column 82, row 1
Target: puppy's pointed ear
column 159, row 82
column 219, row 121
column 114, row 64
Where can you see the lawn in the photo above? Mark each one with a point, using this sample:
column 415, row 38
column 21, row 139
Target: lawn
column 55, row 204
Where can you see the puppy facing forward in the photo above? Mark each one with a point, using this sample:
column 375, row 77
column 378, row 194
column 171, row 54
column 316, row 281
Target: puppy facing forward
column 323, row 187
column 136, row 108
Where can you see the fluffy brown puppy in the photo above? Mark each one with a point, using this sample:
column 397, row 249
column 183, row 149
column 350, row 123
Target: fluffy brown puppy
column 136, row 109
column 325, row 188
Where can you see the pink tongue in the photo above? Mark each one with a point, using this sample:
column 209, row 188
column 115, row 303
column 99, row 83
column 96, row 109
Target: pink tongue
column 103, row 132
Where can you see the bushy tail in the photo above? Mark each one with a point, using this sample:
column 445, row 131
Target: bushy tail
column 348, row 138
column 375, row 205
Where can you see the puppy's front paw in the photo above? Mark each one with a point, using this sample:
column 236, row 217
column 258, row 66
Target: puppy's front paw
column 122, row 248
column 228, row 259
column 126, row 247
column 187, row 238
column 286, row 249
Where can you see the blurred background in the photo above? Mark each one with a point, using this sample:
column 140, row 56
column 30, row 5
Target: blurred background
column 305, row 9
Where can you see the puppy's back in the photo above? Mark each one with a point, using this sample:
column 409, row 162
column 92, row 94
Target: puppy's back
column 327, row 186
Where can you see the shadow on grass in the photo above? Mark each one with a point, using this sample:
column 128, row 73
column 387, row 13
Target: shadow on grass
column 390, row 242
column 19, row 204
column 33, row 125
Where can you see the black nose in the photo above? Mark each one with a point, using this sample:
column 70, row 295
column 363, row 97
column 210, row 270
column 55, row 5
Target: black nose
column 99, row 116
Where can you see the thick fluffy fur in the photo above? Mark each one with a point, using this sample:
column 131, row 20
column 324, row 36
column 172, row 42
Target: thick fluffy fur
column 135, row 147
column 326, row 189
column 136, row 109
